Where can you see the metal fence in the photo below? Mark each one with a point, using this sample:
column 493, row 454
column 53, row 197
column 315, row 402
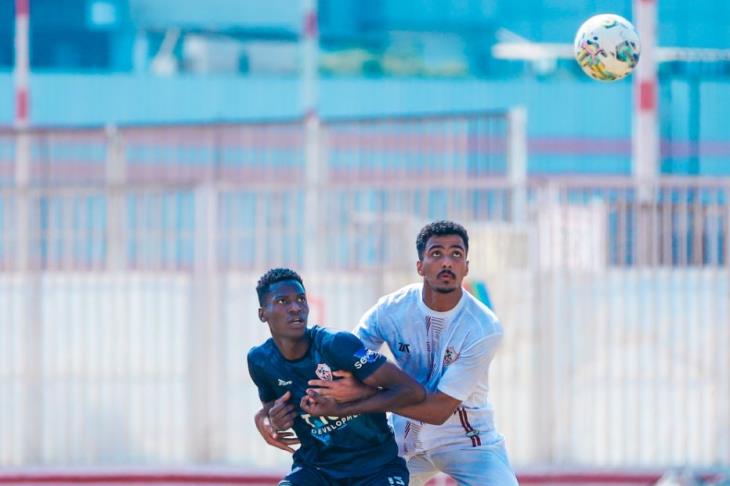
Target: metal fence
column 128, row 260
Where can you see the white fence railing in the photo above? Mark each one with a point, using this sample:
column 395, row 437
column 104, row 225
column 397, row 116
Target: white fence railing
column 124, row 328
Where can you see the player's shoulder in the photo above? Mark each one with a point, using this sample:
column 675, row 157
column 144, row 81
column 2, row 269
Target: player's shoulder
column 404, row 295
column 258, row 355
column 323, row 337
column 480, row 318
column 320, row 335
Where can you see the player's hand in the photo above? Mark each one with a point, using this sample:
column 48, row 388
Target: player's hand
column 282, row 414
column 280, row 440
column 346, row 389
column 319, row 406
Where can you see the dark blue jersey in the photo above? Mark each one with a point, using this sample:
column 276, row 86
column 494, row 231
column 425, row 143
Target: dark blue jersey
column 340, row 446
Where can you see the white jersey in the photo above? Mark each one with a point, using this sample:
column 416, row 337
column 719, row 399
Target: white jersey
column 445, row 351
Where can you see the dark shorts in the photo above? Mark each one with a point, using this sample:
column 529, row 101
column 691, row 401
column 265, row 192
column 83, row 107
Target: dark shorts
column 395, row 473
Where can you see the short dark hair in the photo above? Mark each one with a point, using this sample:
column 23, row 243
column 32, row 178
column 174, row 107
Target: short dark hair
column 273, row 276
column 440, row 228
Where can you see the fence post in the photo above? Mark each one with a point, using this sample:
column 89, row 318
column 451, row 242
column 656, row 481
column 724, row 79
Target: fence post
column 205, row 338
column 314, row 177
column 517, row 162
column 116, row 176
column 29, row 282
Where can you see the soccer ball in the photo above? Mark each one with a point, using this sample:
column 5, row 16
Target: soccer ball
column 607, row 47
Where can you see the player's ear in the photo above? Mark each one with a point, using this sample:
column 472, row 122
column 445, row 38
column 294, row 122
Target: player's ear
column 467, row 268
column 419, row 267
column 262, row 318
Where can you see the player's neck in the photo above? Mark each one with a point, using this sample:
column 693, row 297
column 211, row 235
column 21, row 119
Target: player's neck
column 439, row 301
column 292, row 349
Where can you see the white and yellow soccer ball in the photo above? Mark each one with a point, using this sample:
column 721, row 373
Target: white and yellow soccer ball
column 607, row 47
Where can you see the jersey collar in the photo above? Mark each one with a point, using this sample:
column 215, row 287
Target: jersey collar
column 446, row 315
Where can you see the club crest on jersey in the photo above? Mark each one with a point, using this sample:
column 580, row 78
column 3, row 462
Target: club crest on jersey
column 450, row 355
column 324, row 372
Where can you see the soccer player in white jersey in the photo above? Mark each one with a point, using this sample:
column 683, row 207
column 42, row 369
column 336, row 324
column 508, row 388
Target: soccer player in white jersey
column 446, row 339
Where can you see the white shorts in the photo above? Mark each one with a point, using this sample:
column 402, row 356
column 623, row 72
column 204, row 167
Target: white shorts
column 485, row 465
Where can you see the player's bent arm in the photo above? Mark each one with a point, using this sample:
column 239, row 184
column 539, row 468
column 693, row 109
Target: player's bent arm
column 396, row 389
column 435, row 409
column 263, row 426
column 268, row 431
column 265, row 407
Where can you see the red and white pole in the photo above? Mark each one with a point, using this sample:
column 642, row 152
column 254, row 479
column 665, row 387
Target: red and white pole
column 22, row 56
column 30, row 282
column 645, row 143
column 310, row 53
column 314, row 165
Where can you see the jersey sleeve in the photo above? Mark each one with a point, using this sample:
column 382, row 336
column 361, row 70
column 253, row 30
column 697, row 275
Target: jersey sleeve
column 470, row 369
column 350, row 354
column 266, row 393
column 369, row 330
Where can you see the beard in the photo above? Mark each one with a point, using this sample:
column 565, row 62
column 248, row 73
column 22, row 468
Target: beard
column 445, row 290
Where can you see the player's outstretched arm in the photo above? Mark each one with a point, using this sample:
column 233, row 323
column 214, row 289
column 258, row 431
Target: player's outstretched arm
column 272, row 422
column 396, row 389
column 435, row 409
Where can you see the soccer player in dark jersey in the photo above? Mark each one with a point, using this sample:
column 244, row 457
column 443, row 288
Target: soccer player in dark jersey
column 341, row 443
